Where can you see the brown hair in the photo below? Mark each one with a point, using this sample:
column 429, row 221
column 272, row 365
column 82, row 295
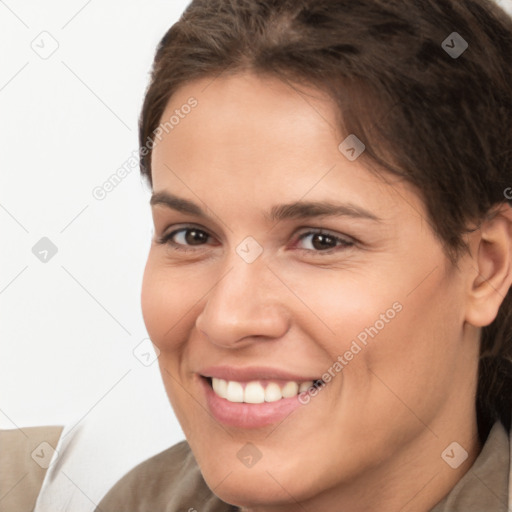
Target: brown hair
column 442, row 122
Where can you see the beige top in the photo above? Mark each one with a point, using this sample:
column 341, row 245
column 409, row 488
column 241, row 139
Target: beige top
column 171, row 482
column 25, row 455
column 485, row 486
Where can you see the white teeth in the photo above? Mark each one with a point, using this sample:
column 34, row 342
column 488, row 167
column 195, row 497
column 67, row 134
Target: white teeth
column 234, row 392
column 272, row 392
column 254, row 392
column 220, row 387
column 290, row 389
column 304, row 386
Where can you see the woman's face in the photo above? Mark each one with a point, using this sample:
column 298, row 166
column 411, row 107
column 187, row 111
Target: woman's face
column 249, row 295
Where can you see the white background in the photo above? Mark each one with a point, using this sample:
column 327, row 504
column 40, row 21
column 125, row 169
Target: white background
column 68, row 327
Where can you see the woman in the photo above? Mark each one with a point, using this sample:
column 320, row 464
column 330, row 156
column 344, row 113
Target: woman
column 329, row 280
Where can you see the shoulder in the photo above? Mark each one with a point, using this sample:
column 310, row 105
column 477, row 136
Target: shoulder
column 166, row 482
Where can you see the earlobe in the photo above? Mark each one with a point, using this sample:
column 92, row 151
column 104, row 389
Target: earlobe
column 492, row 267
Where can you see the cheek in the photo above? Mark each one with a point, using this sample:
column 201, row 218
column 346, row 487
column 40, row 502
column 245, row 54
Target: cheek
column 389, row 332
column 166, row 302
column 411, row 360
column 341, row 309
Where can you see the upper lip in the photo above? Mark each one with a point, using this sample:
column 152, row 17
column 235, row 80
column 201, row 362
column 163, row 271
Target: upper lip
column 248, row 373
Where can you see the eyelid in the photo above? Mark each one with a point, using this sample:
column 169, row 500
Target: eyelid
column 324, row 231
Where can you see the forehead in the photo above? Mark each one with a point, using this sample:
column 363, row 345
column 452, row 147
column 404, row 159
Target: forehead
column 243, row 113
column 262, row 138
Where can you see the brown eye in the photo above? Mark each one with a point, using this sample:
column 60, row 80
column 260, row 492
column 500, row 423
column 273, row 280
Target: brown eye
column 182, row 238
column 320, row 241
column 323, row 242
column 194, row 236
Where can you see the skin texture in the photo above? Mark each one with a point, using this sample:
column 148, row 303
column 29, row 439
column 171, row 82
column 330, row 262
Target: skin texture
column 372, row 438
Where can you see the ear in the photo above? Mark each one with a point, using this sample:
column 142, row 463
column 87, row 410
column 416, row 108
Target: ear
column 492, row 266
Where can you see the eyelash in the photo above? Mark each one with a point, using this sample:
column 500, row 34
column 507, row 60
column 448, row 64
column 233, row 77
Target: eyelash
column 343, row 243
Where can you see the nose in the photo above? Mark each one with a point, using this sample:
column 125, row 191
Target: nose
column 246, row 304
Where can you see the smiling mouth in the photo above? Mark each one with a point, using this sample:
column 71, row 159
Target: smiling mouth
column 257, row 391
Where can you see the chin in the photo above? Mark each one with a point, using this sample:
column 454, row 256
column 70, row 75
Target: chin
column 251, row 490
column 264, row 484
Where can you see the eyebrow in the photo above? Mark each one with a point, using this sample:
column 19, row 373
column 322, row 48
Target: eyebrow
column 295, row 210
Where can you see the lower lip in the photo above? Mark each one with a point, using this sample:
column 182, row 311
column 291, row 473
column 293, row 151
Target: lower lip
column 243, row 415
